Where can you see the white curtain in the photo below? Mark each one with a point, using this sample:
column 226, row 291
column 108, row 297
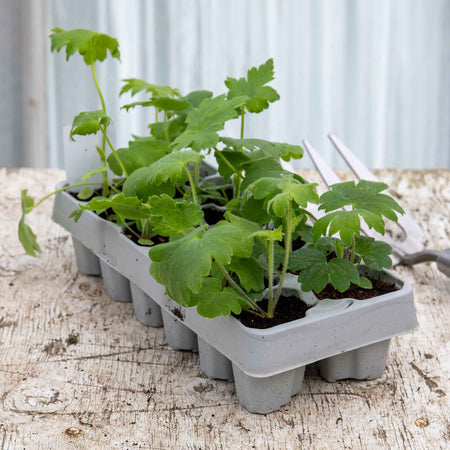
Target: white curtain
column 376, row 73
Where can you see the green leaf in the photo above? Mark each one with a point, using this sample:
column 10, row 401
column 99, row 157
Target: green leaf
column 375, row 254
column 180, row 265
column 136, row 85
column 270, row 235
column 88, row 175
column 254, row 210
column 85, row 193
column 226, row 158
column 204, row 122
column 213, row 301
column 259, row 95
column 26, row 236
column 126, row 207
column 89, row 122
column 281, row 192
column 76, row 215
column 91, row 45
column 141, row 153
column 169, row 218
column 175, row 127
column 146, row 242
column 272, row 149
column 250, row 273
column 365, row 283
column 366, row 200
column 137, row 185
column 346, row 223
column 316, row 272
column 172, row 166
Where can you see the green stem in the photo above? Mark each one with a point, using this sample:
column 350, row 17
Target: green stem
column 105, row 190
column 59, row 190
column 225, row 160
column 114, row 152
column 241, row 292
column 129, row 228
column 166, row 131
column 353, row 248
column 94, row 75
column 270, row 263
column 286, row 258
column 156, row 115
column 191, row 182
column 242, row 121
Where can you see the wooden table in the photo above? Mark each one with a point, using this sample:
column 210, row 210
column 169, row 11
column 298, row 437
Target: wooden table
column 78, row 371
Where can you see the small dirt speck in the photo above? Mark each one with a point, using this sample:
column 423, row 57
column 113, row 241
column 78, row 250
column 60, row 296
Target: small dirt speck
column 149, row 312
column 422, row 422
column 203, row 387
column 84, row 287
column 55, row 347
column 7, row 323
column 178, row 313
column 72, row 432
column 11, row 284
column 72, row 339
column 428, row 355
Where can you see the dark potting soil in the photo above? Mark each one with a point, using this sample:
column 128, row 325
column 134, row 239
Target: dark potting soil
column 288, row 309
column 379, row 288
column 212, row 215
column 156, row 238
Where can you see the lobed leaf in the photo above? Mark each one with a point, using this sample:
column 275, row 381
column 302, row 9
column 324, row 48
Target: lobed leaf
column 172, row 166
column 250, row 273
column 173, row 265
column 89, row 122
column 136, row 85
column 316, row 272
column 169, row 218
column 254, row 87
column 91, row 45
column 375, row 254
column 26, row 236
column 204, row 122
column 272, row 149
column 125, row 207
column 366, row 200
column 212, row 300
column 346, row 223
column 140, row 153
column 137, row 185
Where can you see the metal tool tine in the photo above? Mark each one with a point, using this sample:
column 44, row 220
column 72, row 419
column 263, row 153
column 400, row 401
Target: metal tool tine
column 405, row 221
column 328, row 175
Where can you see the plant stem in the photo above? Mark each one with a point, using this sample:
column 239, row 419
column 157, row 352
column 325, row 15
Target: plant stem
column 56, row 192
column 94, row 75
column 114, row 152
column 225, row 160
column 270, row 264
column 242, row 121
column 237, row 287
column 191, row 182
column 353, row 248
column 130, row 229
column 105, row 190
column 286, row 258
column 166, row 131
column 156, row 115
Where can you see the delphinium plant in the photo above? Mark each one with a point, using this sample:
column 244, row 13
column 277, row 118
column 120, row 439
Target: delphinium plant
column 160, row 195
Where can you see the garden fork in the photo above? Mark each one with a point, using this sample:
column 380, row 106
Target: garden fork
column 409, row 251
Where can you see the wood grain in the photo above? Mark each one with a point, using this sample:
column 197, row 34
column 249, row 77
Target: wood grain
column 78, row 371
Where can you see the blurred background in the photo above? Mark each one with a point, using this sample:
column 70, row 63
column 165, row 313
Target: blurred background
column 374, row 72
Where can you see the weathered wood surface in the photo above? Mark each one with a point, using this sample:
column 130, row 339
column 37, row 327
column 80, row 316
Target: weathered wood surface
column 78, row 371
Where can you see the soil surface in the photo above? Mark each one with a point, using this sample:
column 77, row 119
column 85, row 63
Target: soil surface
column 379, row 288
column 212, row 215
column 288, row 309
